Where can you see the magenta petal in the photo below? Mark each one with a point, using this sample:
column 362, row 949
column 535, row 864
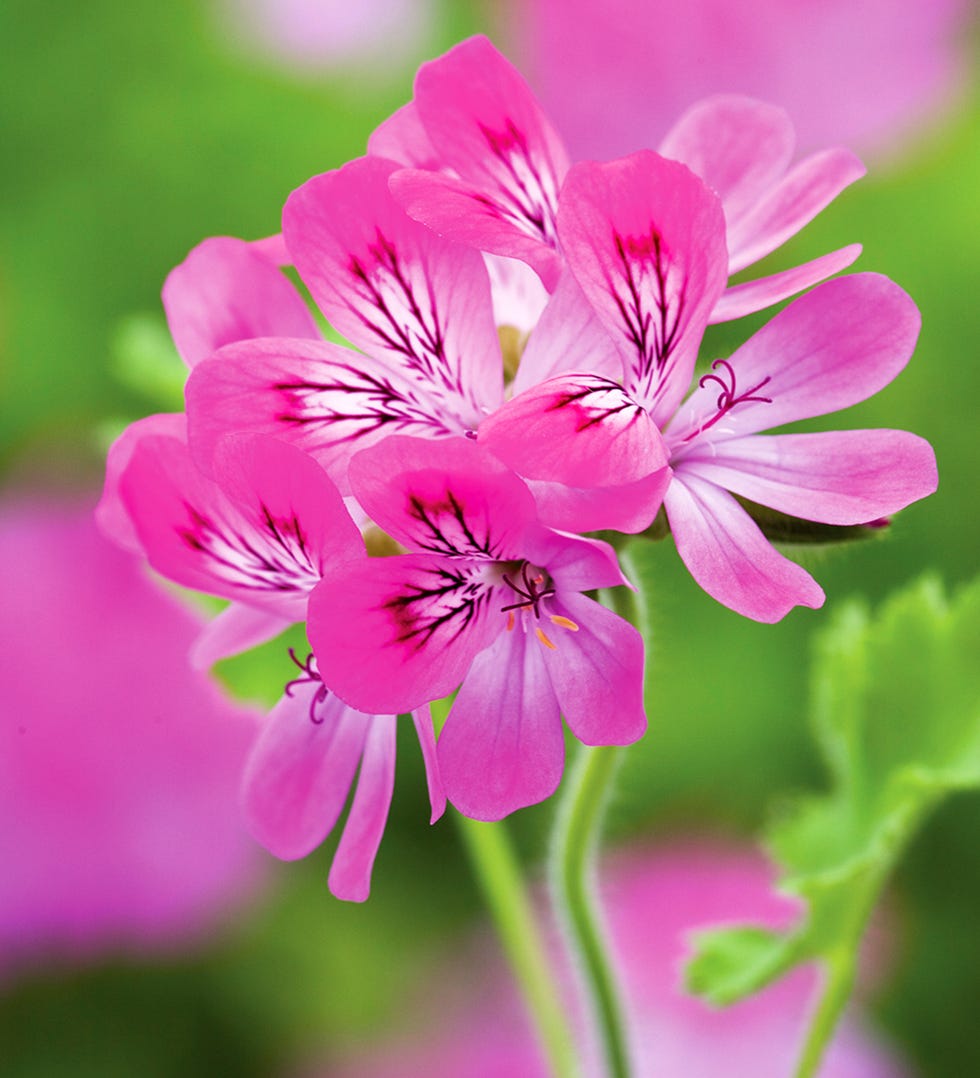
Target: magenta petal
column 833, row 347
column 645, row 239
column 402, row 138
column 237, row 629
column 568, row 337
column 628, row 508
column 740, row 147
column 751, row 296
column 394, row 288
column 226, row 290
column 111, row 514
column 350, row 873
column 729, row 556
column 273, row 249
column 836, row 477
column 299, row 773
column 392, row 634
column 448, row 497
column 806, row 189
column 326, row 400
column 597, row 671
column 502, row 746
column 577, row 429
column 422, row 718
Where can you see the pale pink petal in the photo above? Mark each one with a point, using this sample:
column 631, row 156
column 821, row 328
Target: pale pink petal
column 350, row 873
column 402, row 138
column 394, row 288
column 273, row 249
column 574, row 562
column 740, row 147
column 645, row 239
column 487, row 126
column 807, row 188
column 462, row 211
column 502, row 746
column 519, row 297
column 227, row 290
column 422, row 718
column 629, row 508
column 836, row 477
column 596, row 670
column 392, row 634
column 577, row 429
column 450, row 497
column 833, row 347
column 111, row 514
column 751, row 296
column 568, row 337
column 237, row 629
column 730, row 558
column 324, row 399
column 300, row 771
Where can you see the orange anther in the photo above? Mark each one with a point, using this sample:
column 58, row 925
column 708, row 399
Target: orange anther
column 565, row 623
column 510, row 620
column 539, row 632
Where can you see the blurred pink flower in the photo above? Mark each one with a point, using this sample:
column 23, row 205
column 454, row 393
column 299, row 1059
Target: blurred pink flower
column 119, row 764
column 654, row 901
column 615, row 74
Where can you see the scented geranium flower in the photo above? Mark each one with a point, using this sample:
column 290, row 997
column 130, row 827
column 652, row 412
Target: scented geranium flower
column 488, row 168
column 118, row 774
column 262, row 533
column 644, row 240
column 654, row 899
column 487, row 601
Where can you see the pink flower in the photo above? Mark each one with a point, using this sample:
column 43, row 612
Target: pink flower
column 644, row 240
column 262, row 533
column 486, row 599
column 654, row 900
column 488, row 169
column 118, row 763
column 615, row 74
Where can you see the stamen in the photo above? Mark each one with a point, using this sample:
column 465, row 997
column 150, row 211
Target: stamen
column 511, row 621
column 565, row 623
column 540, row 634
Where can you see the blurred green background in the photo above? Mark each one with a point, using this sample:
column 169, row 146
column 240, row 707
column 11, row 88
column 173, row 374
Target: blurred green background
column 131, row 131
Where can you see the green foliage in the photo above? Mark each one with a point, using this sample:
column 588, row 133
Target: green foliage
column 896, row 709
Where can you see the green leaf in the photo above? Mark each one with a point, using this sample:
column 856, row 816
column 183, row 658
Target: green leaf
column 895, row 705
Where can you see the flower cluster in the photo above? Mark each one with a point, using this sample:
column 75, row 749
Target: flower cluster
column 522, row 335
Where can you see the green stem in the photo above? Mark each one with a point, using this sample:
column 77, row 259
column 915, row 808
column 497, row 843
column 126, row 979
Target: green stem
column 577, row 829
column 498, row 872
column 841, row 969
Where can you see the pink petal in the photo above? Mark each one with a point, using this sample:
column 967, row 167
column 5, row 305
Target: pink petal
column 350, row 873
column 645, row 239
column 577, row 429
column 422, row 718
column 391, row 634
column 568, row 337
column 402, row 138
column 519, row 297
column 395, row 289
column 751, row 296
column 730, row 558
column 450, row 497
column 807, row 189
column 836, row 477
column 237, row 629
column 463, row 212
column 739, row 147
column 273, row 249
column 324, row 399
column 111, row 514
column 829, row 349
column 502, row 746
column 629, row 508
column 226, row 290
column 574, row 562
column 597, row 671
column 299, row 773
column 487, row 126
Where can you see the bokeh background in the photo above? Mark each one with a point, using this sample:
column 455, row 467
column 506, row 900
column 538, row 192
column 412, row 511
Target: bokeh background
column 129, row 132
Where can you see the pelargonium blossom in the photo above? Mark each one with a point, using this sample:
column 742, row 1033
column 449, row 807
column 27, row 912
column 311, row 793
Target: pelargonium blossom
column 262, row 533
column 645, row 243
column 487, row 168
column 488, row 601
